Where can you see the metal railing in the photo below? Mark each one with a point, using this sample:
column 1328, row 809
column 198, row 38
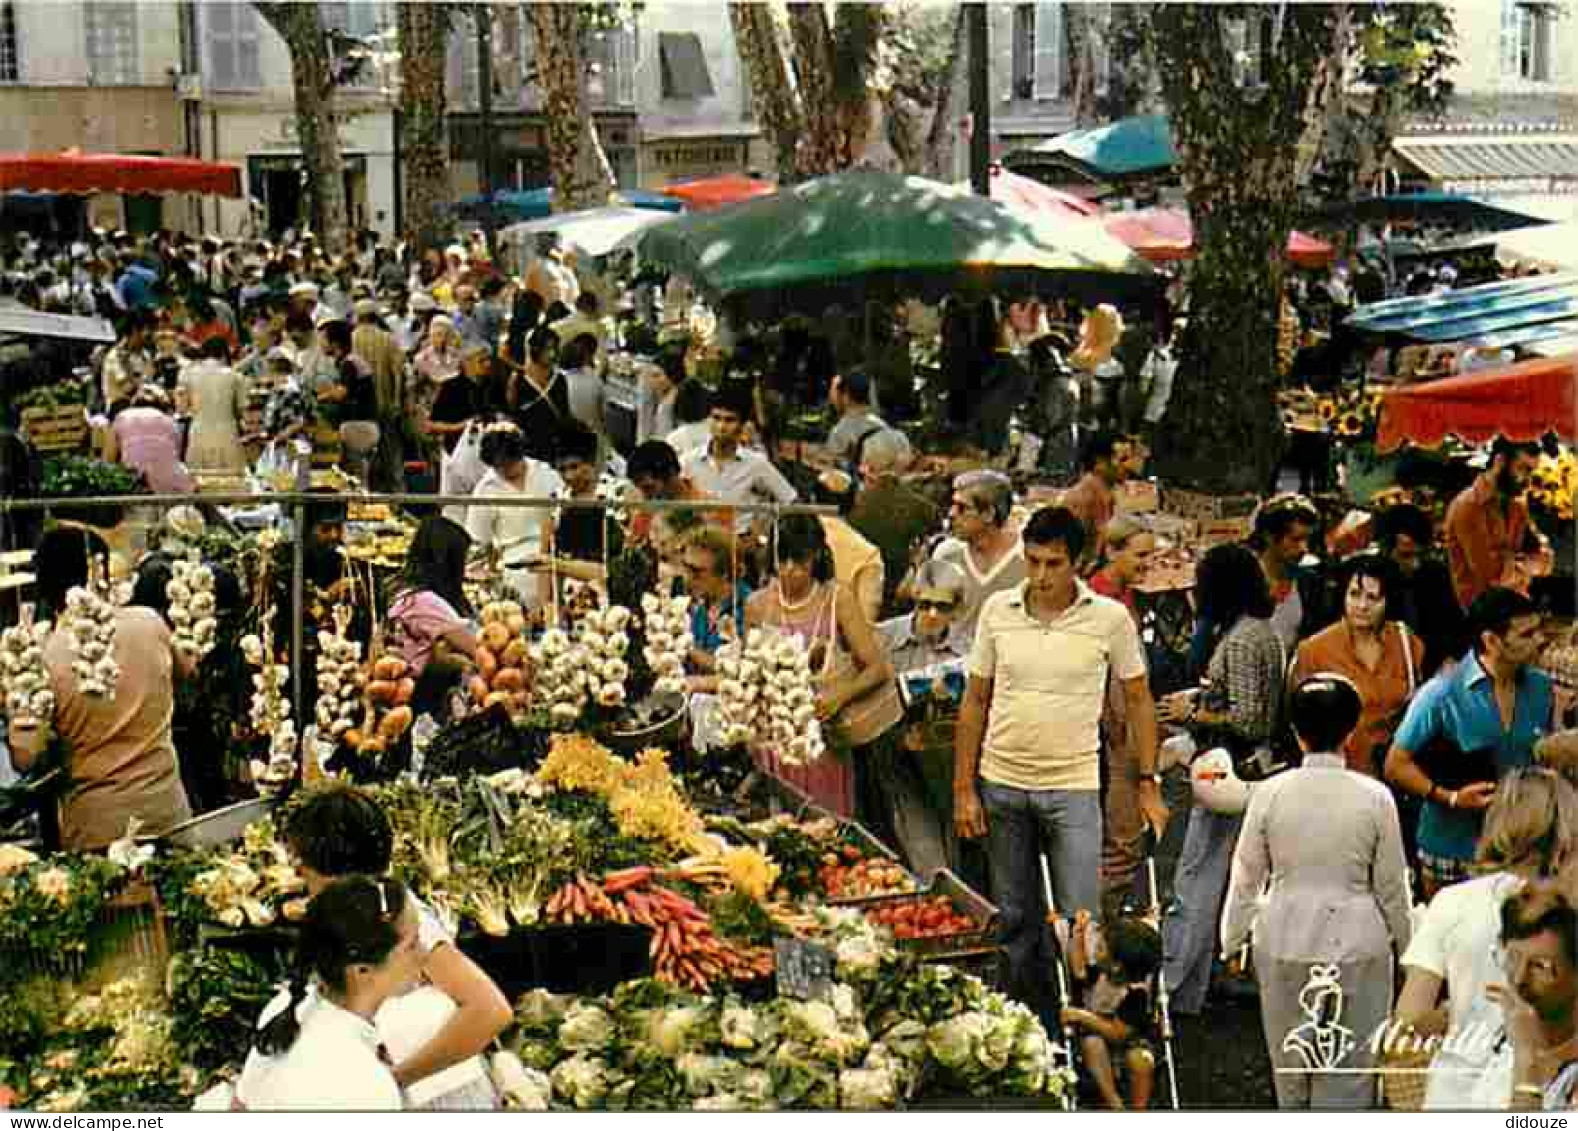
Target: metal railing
column 295, row 504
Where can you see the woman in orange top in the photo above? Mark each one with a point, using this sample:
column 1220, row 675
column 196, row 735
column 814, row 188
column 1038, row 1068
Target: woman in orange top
column 1382, row 658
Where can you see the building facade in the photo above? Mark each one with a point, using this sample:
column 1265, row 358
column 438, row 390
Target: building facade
column 1511, row 134
column 98, row 76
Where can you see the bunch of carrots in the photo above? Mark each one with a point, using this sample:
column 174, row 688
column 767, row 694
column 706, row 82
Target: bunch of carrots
column 685, row 949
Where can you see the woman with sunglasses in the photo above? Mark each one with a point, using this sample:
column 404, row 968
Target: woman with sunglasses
column 318, row 1048
column 916, row 783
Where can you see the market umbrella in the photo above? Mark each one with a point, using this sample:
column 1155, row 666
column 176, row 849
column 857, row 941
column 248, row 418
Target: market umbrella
column 1164, row 234
column 1547, row 246
column 715, row 192
column 596, row 231
column 1023, row 192
column 1520, row 402
column 536, row 204
column 1128, row 147
column 1432, row 208
column 864, row 234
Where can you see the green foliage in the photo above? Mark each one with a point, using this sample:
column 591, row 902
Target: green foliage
column 68, row 477
column 216, row 996
column 62, row 394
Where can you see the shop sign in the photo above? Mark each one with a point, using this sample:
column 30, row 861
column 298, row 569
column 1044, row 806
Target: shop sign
column 675, row 159
column 803, row 970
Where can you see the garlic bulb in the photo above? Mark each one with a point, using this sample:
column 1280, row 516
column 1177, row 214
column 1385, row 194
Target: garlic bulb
column 668, row 641
column 767, row 695
column 29, row 700
column 89, row 622
column 191, row 593
column 590, row 666
column 339, row 664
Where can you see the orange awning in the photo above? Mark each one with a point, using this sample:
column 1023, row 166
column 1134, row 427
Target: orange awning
column 1521, row 402
column 107, row 172
column 1164, row 234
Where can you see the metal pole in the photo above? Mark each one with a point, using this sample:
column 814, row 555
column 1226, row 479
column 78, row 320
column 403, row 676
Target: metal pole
column 485, row 83
column 398, row 121
column 431, row 502
column 980, row 102
column 298, row 603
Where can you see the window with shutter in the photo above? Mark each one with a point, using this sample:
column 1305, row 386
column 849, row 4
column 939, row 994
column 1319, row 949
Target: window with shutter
column 219, row 31
column 10, row 51
column 531, row 90
column 624, row 76
column 249, row 49
column 1048, row 44
column 110, row 30
column 1023, row 69
column 684, row 66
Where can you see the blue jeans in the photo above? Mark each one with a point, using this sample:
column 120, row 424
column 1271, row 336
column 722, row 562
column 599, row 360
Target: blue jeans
column 1190, row 932
column 1020, row 823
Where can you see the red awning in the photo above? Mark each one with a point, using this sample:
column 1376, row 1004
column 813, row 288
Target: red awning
column 715, row 192
column 108, row 172
column 1163, row 234
column 1521, row 402
column 1022, row 192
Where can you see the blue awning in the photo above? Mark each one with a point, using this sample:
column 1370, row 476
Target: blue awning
column 535, row 204
column 1494, row 314
column 1132, row 145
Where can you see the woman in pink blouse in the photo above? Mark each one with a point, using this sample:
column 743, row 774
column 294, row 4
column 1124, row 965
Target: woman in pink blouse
column 146, row 439
column 428, row 623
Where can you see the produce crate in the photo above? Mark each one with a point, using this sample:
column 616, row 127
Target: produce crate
column 128, row 939
column 221, row 827
column 986, row 963
column 1206, row 508
column 965, row 900
column 325, row 447
column 1138, row 496
column 62, row 429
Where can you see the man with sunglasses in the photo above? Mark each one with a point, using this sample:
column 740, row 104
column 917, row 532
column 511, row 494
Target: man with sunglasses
column 1539, row 1003
column 984, row 544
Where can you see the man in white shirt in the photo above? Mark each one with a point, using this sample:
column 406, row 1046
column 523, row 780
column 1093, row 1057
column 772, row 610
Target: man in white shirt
column 729, row 472
column 1027, row 751
column 517, row 534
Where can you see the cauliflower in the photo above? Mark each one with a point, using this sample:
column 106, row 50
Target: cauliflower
column 582, row 1080
column 586, row 1028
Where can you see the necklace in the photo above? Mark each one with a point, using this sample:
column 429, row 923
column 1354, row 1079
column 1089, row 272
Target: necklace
column 797, row 606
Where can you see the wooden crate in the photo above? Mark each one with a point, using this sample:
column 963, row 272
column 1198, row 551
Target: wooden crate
column 1138, row 496
column 1206, row 508
column 63, row 429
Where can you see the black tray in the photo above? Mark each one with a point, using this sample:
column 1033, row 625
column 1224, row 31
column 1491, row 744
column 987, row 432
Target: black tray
column 579, row 958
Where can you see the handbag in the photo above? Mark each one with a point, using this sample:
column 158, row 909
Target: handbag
column 868, row 718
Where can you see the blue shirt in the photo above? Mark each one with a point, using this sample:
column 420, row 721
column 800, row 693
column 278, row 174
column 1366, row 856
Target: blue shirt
column 136, row 286
column 1461, row 707
column 707, row 632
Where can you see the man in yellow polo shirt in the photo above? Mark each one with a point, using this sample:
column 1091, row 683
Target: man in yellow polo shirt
column 1027, row 752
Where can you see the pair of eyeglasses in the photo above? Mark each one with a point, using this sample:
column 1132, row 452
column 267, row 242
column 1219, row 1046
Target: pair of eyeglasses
column 1545, row 968
column 936, row 606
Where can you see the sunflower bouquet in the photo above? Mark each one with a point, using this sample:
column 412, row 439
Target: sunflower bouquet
column 1351, row 415
column 1552, row 486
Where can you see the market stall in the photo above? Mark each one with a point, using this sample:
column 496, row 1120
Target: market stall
column 672, row 932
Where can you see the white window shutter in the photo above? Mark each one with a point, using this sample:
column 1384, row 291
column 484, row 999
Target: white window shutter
column 248, row 38
column 1049, row 50
column 219, row 30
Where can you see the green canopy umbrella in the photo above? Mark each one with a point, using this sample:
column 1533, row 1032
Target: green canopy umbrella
column 860, row 235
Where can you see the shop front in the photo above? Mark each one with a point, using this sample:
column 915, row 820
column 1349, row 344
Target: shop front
column 671, row 160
